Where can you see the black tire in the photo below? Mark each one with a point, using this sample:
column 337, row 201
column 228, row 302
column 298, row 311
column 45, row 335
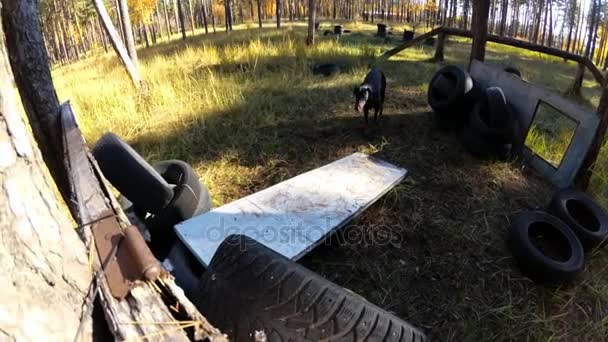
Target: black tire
column 492, row 119
column 326, row 69
column 585, row 217
column 513, row 70
column 545, row 249
column 249, row 288
column 450, row 88
column 408, row 35
column 481, row 148
column 191, row 198
column 130, row 174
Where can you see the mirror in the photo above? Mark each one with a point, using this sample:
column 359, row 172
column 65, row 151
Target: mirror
column 550, row 133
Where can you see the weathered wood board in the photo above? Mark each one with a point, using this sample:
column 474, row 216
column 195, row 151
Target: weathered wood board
column 294, row 216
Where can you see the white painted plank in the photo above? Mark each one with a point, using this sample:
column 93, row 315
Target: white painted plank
column 294, row 216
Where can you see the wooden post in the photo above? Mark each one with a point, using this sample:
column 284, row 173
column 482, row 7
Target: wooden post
column 439, row 48
column 586, row 171
column 481, row 10
column 578, row 80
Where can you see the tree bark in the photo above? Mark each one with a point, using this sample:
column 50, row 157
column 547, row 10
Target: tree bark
column 481, row 9
column 122, row 53
column 31, row 69
column 43, row 268
column 126, row 24
column 180, row 13
column 259, row 13
column 584, row 175
column 278, row 13
column 191, row 16
column 312, row 11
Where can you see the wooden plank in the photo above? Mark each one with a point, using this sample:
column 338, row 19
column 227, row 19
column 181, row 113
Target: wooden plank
column 90, row 198
column 294, row 216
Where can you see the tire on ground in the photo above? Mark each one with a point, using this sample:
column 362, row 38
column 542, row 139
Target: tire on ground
column 585, row 217
column 131, row 175
column 544, row 248
column 249, row 289
column 326, row 69
column 191, row 198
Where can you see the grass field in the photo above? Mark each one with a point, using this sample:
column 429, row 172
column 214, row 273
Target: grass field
column 244, row 109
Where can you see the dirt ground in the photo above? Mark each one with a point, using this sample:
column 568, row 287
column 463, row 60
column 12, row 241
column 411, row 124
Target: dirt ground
column 446, row 267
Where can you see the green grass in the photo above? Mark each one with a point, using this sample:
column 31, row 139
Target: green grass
column 244, row 109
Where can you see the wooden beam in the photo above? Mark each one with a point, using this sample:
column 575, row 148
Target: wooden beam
column 388, row 54
column 583, row 177
column 522, row 44
column 481, row 11
column 450, row 31
column 439, row 48
column 575, row 89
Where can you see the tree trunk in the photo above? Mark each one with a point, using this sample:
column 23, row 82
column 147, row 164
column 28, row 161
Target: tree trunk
column 591, row 26
column 180, row 13
column 122, row 53
column 204, row 15
column 31, row 69
column 43, row 268
column 310, row 39
column 191, row 16
column 167, row 22
column 503, row 14
column 126, row 24
column 259, row 13
column 278, row 13
column 479, row 26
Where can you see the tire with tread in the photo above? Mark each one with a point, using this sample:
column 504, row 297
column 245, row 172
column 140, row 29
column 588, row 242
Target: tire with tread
column 545, row 248
column 585, row 217
column 249, row 288
column 191, row 198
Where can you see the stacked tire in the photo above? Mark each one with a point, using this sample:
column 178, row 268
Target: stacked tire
column 486, row 123
column 161, row 195
column 490, row 130
column 452, row 94
column 549, row 246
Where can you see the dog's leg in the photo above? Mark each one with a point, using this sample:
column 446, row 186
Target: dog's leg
column 366, row 113
column 376, row 114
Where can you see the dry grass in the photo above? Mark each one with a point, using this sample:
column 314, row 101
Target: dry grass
column 245, row 110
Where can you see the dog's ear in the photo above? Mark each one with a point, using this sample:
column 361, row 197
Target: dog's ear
column 356, row 90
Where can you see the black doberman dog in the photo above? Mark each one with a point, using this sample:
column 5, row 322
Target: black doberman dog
column 370, row 94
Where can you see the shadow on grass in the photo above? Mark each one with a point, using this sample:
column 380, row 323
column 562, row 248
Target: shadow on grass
column 451, row 272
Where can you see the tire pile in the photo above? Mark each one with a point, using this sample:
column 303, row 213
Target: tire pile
column 485, row 122
column 161, row 195
column 549, row 246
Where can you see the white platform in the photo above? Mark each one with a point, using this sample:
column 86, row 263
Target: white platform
column 294, row 216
